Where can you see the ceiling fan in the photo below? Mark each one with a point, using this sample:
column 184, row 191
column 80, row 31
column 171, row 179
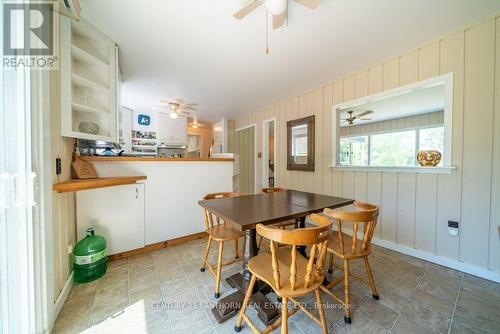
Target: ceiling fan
column 278, row 8
column 178, row 107
column 351, row 118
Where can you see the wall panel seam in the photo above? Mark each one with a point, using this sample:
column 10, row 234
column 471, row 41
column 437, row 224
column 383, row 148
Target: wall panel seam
column 492, row 143
column 462, row 145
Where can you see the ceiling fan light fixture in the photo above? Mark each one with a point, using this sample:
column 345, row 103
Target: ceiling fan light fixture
column 173, row 115
column 276, row 7
column 195, row 125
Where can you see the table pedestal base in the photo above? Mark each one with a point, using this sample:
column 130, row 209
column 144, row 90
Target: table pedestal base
column 229, row 306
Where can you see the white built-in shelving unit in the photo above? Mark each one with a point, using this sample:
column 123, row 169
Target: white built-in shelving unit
column 89, row 81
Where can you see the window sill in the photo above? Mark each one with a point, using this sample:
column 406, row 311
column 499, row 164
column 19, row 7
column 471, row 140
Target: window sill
column 416, row 169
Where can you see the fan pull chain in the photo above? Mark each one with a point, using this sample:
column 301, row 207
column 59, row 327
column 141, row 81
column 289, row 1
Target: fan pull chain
column 267, row 33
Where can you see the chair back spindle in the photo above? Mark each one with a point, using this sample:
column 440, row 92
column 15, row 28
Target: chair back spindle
column 315, row 237
column 367, row 217
column 208, row 215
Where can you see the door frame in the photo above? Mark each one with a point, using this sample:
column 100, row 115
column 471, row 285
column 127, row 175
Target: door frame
column 202, row 142
column 265, row 151
column 254, row 125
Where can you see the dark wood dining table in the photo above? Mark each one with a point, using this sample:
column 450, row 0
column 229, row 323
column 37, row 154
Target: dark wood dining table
column 244, row 213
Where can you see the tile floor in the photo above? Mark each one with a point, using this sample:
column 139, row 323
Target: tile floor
column 415, row 297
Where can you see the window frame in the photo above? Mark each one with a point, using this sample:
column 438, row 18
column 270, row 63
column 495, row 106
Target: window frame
column 447, row 80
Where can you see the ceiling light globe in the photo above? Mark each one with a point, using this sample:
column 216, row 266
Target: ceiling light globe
column 276, row 7
column 173, row 115
column 194, row 126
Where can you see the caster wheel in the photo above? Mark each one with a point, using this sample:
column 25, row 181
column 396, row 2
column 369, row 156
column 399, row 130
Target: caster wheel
column 217, row 295
column 202, row 270
column 347, row 320
column 237, row 329
column 376, row 297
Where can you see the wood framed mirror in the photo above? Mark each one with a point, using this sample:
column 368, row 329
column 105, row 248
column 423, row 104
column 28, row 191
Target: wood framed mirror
column 300, row 144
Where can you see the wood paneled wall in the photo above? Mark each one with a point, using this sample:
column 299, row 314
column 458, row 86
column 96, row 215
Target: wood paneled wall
column 415, row 208
column 63, row 205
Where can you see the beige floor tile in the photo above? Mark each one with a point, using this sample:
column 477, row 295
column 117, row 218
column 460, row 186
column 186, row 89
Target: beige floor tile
column 164, row 292
column 391, row 299
column 468, row 321
column 190, row 321
column 429, row 319
column 360, row 325
column 477, row 305
column 405, row 326
column 379, row 313
column 485, row 289
column 117, row 264
column 73, row 318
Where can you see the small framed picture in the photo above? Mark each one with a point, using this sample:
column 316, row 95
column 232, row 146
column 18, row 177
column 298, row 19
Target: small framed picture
column 144, row 119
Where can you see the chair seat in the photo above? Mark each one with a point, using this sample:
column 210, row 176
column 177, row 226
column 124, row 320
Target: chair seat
column 224, row 232
column 261, row 266
column 334, row 246
column 284, row 223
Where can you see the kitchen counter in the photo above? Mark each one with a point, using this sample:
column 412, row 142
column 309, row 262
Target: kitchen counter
column 171, row 193
column 127, row 158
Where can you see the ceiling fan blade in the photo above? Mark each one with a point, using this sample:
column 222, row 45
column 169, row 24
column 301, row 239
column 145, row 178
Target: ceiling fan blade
column 368, row 112
column 309, row 3
column 365, row 119
column 279, row 20
column 247, row 9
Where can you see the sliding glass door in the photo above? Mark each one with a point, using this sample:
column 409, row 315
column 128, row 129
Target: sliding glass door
column 17, row 295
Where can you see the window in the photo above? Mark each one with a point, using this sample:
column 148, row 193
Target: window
column 390, row 149
column 393, row 149
column 354, row 151
column 300, row 146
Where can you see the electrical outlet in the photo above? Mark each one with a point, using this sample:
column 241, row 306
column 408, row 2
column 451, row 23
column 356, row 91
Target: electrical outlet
column 70, row 249
column 259, row 155
column 453, row 228
column 58, row 166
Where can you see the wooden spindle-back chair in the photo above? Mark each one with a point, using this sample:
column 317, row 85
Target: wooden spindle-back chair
column 282, row 224
column 289, row 273
column 352, row 247
column 219, row 231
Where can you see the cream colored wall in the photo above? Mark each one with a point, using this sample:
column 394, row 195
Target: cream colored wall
column 63, row 205
column 415, row 208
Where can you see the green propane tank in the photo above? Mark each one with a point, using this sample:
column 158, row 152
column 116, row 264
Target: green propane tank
column 90, row 258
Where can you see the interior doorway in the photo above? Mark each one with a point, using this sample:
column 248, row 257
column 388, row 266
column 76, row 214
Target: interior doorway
column 269, row 153
column 245, row 147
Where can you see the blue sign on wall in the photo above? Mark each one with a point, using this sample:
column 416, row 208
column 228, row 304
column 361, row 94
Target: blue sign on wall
column 144, row 120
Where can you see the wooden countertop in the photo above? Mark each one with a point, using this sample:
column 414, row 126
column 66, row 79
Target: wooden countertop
column 115, row 158
column 100, row 182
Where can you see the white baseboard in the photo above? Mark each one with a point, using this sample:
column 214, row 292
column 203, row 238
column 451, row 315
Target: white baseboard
column 58, row 304
column 447, row 262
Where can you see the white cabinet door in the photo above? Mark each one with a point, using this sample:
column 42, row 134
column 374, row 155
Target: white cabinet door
column 116, row 213
column 172, row 131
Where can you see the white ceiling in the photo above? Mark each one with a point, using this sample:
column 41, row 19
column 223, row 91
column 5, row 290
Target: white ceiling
column 196, row 50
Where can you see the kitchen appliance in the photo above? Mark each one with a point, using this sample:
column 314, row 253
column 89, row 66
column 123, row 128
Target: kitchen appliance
column 171, row 151
column 98, row 147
